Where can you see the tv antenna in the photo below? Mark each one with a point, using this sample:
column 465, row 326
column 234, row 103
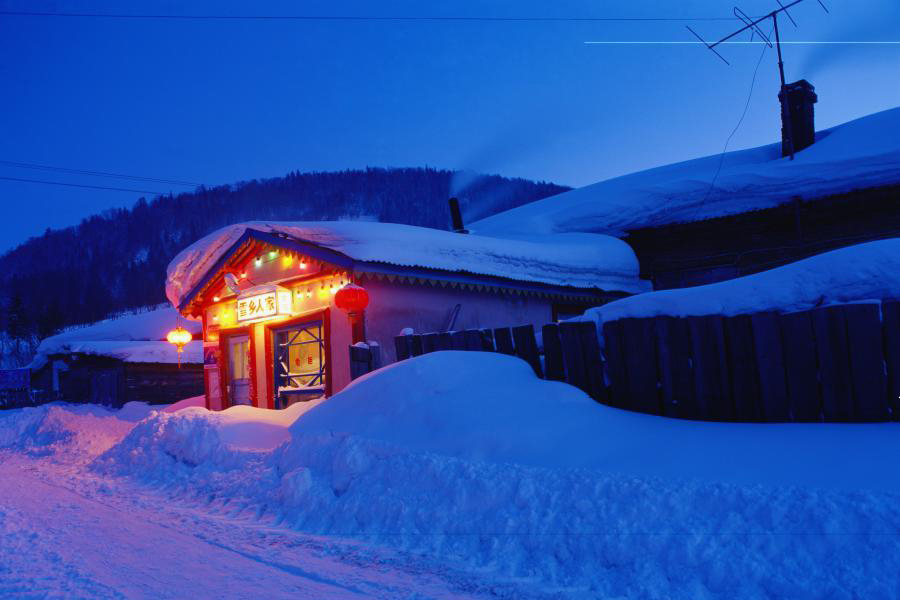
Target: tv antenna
column 752, row 25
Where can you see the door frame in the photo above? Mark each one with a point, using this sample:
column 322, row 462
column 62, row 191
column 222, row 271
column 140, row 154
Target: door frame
column 225, row 336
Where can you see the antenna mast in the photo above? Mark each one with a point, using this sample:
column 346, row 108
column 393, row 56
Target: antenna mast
column 753, row 27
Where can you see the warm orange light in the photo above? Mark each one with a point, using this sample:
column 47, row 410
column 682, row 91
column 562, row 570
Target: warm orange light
column 179, row 337
column 302, row 264
column 244, row 275
column 216, row 298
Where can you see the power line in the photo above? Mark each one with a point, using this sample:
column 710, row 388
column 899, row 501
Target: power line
column 209, row 17
column 81, row 185
column 21, row 165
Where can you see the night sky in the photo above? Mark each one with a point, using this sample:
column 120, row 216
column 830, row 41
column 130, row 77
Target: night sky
column 217, row 101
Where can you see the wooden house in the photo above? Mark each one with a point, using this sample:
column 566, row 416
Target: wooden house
column 268, row 295
column 119, row 360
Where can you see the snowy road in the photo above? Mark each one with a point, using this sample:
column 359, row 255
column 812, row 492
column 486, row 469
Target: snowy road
column 66, row 534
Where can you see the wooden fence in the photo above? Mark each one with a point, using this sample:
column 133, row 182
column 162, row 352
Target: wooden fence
column 836, row 363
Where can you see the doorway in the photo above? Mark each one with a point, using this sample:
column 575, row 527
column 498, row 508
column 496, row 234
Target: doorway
column 239, row 369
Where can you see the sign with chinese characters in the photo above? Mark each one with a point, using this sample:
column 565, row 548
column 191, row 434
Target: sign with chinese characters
column 258, row 305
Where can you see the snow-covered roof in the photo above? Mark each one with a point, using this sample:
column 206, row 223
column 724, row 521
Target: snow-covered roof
column 136, row 338
column 859, row 154
column 869, row 271
column 577, row 260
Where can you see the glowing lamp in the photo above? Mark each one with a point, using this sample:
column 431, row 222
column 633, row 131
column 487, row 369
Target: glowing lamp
column 351, row 298
column 179, row 337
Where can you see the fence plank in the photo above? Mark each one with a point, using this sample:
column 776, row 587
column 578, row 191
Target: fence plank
column 639, row 352
column 526, row 347
column 615, row 363
column 473, row 339
column 593, row 363
column 429, row 342
column 742, row 365
column 487, row 340
column 572, row 356
column 360, row 361
column 553, row 356
column 775, row 403
column 676, row 376
column 890, row 315
column 503, row 338
column 416, row 345
column 710, row 368
column 444, row 341
column 830, row 328
column 801, row 372
column 864, row 342
column 403, row 346
column 458, row 340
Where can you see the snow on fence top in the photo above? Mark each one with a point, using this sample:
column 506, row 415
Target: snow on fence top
column 577, row 259
column 136, row 337
column 869, row 271
column 855, row 155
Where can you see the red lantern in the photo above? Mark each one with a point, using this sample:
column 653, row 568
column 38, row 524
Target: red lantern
column 352, row 298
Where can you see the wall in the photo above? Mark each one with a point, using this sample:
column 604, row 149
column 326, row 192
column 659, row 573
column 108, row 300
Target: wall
column 393, row 306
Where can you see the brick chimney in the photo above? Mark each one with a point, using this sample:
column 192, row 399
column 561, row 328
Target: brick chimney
column 798, row 119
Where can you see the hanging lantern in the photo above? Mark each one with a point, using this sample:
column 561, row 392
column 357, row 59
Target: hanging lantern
column 352, row 298
column 179, row 337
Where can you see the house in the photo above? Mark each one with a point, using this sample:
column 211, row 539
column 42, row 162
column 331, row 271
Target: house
column 119, row 360
column 268, row 294
column 733, row 214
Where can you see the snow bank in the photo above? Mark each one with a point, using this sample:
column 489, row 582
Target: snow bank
column 578, row 260
column 869, row 271
column 138, row 337
column 469, row 457
column 858, row 154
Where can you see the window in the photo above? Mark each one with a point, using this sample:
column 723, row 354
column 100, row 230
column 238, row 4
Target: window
column 299, row 362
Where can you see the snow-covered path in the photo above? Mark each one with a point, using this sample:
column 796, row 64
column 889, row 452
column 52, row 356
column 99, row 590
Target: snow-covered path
column 67, row 534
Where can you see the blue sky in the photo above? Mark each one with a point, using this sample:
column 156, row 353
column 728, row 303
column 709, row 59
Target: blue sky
column 222, row 101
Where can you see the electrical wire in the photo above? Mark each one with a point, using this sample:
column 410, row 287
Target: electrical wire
column 712, row 184
column 209, row 17
column 81, row 185
column 22, row 165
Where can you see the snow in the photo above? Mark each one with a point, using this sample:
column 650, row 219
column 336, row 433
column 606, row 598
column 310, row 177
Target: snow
column 869, row 271
column 469, row 460
column 138, row 337
column 578, row 260
column 858, row 154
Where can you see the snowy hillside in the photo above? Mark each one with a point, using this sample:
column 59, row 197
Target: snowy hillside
column 869, row 271
column 858, row 154
column 494, row 484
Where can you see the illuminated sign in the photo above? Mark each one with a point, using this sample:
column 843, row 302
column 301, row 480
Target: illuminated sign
column 259, row 305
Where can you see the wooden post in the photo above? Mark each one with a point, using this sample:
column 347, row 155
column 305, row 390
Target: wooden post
column 553, row 356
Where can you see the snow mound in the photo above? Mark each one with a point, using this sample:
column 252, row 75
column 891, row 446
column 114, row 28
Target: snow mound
column 186, row 403
column 577, row 260
column 858, row 154
column 468, row 456
column 869, row 271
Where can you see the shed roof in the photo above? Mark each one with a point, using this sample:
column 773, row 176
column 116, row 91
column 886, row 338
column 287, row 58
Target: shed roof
column 578, row 260
column 135, row 338
column 859, row 154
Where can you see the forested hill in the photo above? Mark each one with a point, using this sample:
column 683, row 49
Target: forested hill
column 116, row 260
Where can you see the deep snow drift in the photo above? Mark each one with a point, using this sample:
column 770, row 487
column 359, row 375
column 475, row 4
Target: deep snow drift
column 869, row 271
column 858, row 154
column 470, row 458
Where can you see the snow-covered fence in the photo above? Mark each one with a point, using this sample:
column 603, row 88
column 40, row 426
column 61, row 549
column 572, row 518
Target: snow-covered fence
column 15, row 388
column 571, row 352
column 835, row 363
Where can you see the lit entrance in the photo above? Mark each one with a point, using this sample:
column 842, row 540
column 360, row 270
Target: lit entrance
column 239, row 369
column 299, row 363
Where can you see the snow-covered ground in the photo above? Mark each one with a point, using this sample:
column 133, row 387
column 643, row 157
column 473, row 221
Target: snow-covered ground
column 449, row 475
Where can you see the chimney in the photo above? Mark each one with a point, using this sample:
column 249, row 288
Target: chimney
column 456, row 216
column 797, row 120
